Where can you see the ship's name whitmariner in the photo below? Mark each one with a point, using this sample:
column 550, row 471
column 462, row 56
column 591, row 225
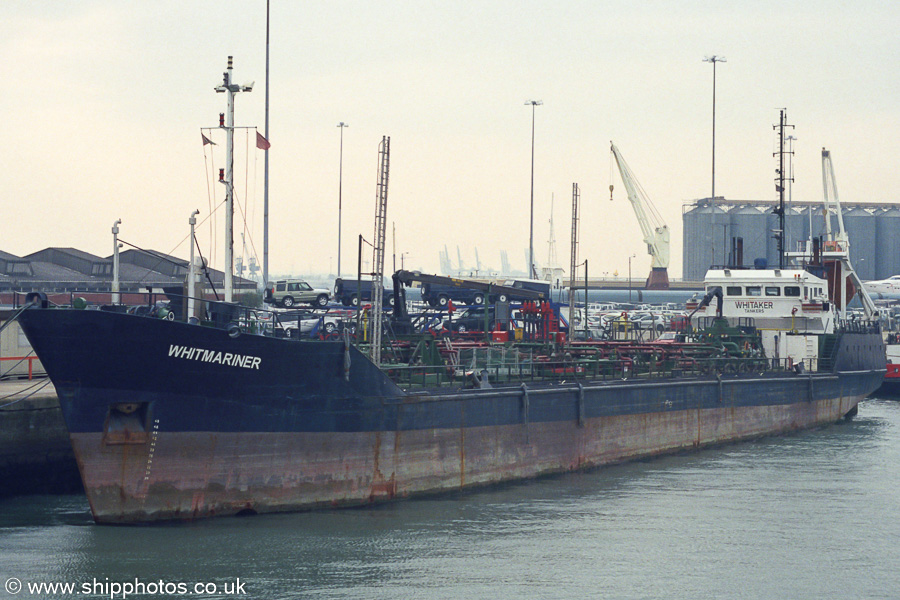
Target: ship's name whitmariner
column 213, row 356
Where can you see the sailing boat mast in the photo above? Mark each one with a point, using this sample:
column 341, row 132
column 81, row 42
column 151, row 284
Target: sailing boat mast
column 226, row 121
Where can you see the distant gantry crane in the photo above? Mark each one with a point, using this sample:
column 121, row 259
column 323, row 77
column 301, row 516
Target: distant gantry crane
column 654, row 229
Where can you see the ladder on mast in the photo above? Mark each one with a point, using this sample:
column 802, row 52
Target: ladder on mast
column 384, row 155
column 573, row 262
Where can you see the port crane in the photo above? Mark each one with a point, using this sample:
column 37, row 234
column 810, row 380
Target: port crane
column 654, row 229
column 842, row 278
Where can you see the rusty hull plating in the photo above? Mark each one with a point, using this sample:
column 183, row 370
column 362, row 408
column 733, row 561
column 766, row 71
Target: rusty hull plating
column 163, row 434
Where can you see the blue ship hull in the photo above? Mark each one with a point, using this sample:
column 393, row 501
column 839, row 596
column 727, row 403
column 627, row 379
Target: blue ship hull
column 177, row 421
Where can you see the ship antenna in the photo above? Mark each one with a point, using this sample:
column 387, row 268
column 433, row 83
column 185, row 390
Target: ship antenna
column 779, row 185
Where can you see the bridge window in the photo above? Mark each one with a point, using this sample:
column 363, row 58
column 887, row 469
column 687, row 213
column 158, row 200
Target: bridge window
column 733, row 290
column 772, row 290
column 754, row 290
column 792, row 290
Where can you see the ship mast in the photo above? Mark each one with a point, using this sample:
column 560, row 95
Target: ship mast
column 779, row 187
column 226, row 121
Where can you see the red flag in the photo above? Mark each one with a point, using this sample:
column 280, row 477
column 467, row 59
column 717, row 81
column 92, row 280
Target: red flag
column 261, row 142
column 206, row 140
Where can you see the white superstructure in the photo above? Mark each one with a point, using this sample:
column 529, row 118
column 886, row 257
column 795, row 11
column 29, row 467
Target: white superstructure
column 785, row 300
column 789, row 307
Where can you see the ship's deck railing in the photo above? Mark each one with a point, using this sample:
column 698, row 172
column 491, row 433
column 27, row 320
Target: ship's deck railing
column 217, row 314
column 853, row 325
column 332, row 320
column 526, row 369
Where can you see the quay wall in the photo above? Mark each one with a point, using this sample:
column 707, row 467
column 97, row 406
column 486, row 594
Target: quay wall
column 35, row 452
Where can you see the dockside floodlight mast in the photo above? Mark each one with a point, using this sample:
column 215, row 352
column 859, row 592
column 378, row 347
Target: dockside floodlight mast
column 654, row 229
column 265, row 269
column 342, row 126
column 712, row 199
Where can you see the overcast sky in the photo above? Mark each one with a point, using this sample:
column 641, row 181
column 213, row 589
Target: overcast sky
column 104, row 100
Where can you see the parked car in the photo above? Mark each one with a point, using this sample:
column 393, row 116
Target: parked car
column 289, row 292
column 306, row 322
column 346, row 292
column 648, row 321
column 667, row 337
column 471, row 319
column 589, row 335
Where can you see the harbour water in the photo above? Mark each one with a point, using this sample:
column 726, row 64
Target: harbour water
column 812, row 515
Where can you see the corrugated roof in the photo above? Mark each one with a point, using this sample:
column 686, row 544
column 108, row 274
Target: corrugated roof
column 51, row 269
column 129, row 273
column 46, row 271
column 71, row 252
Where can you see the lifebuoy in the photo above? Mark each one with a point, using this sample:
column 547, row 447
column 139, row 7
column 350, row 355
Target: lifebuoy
column 233, row 330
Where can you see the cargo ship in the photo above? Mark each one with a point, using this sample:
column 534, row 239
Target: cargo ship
column 221, row 413
column 174, row 420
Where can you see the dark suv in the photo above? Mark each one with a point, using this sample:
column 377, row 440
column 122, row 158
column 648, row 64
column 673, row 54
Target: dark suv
column 532, row 285
column 471, row 319
column 346, row 292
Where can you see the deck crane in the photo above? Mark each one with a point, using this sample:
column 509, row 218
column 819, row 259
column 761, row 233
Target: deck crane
column 842, row 279
column 656, row 232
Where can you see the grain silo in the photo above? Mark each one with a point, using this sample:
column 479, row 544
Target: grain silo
column 887, row 243
column 873, row 228
column 692, row 242
column 796, row 225
column 703, row 243
column 860, row 226
column 746, row 223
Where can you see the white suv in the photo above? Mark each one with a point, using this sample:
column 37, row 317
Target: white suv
column 289, row 292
